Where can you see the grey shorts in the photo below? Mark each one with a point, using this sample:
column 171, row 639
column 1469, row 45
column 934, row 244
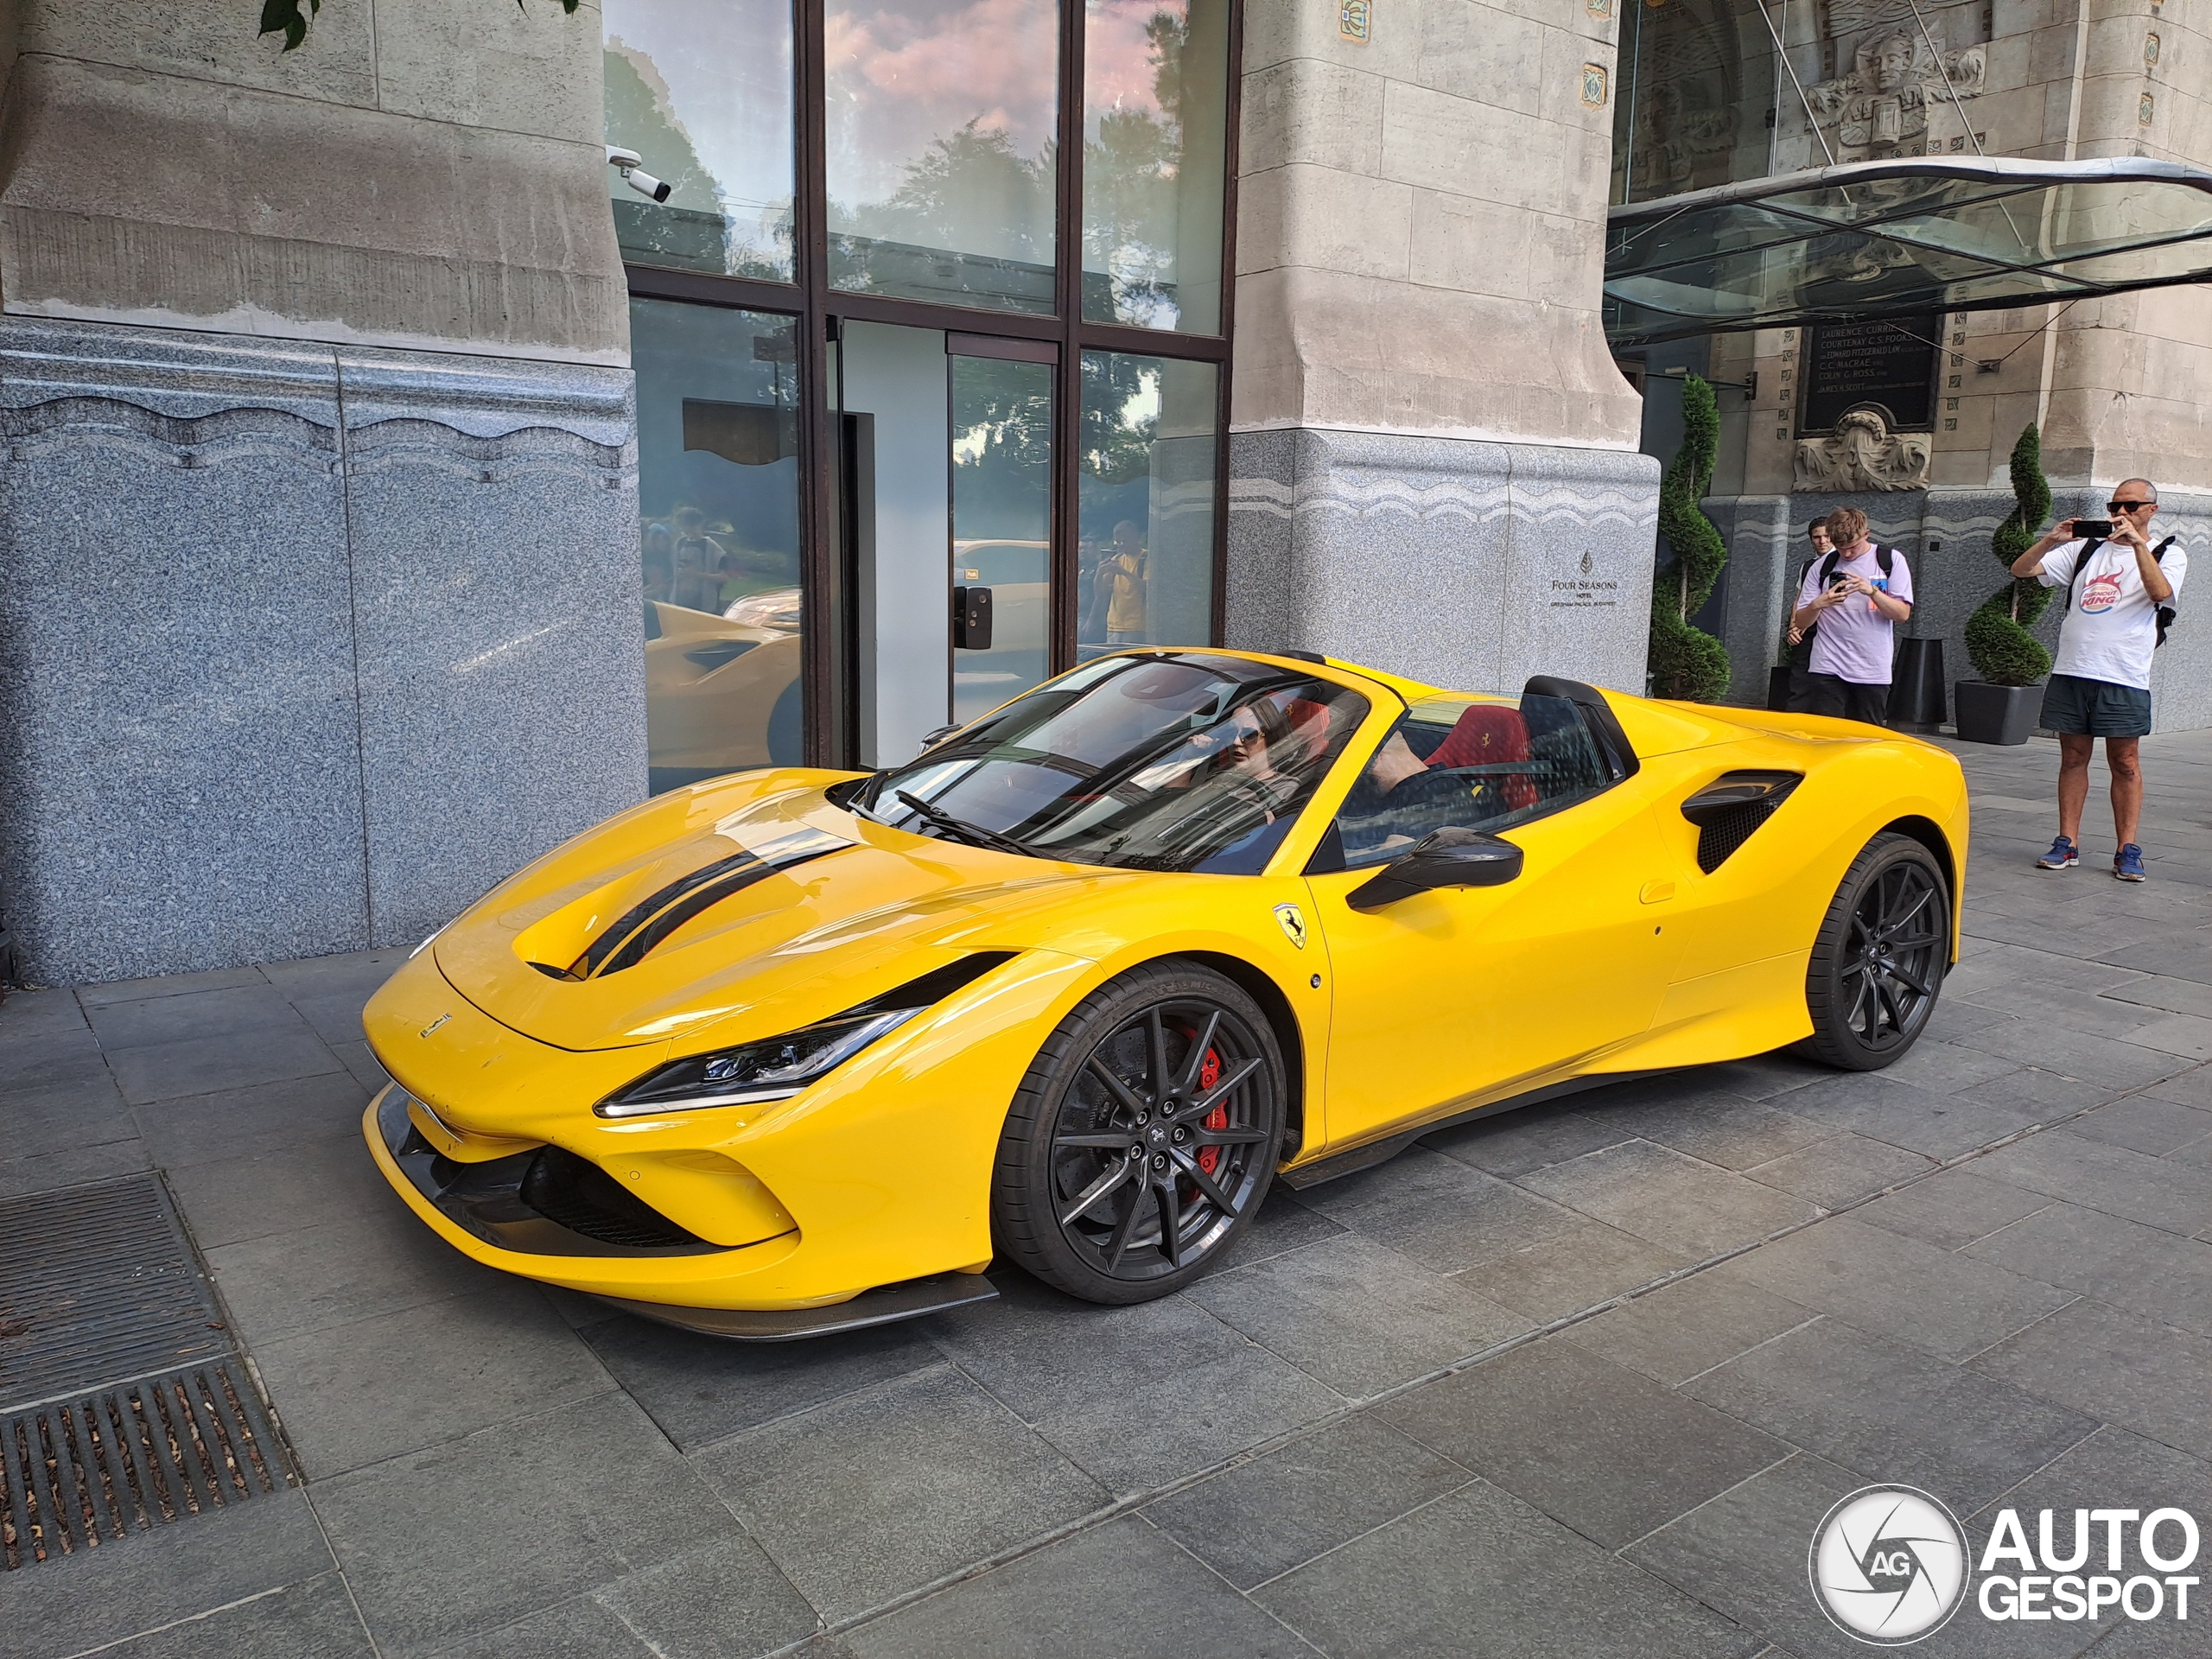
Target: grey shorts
column 2079, row 707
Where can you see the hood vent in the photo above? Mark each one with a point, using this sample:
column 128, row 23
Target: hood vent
column 1729, row 810
column 642, row 928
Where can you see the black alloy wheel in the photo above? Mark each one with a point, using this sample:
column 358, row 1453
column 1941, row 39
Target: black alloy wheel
column 1144, row 1137
column 1879, row 961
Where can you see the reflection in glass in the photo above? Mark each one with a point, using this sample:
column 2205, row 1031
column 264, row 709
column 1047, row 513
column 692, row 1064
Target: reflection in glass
column 1155, row 93
column 701, row 89
column 1145, row 555
column 1697, row 84
column 1001, row 523
column 718, row 538
column 940, row 116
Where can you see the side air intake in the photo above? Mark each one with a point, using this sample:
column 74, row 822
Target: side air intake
column 1729, row 810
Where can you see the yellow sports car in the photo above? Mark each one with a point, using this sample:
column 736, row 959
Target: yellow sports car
column 798, row 1051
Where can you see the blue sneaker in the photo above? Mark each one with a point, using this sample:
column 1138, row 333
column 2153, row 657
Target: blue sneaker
column 2128, row 863
column 2064, row 855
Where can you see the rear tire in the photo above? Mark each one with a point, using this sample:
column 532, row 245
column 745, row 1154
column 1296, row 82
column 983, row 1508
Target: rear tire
column 1879, row 958
column 1144, row 1137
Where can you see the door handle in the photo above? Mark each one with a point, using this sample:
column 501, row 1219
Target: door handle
column 971, row 619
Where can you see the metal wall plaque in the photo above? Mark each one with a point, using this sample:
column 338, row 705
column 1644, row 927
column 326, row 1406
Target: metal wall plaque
column 1890, row 364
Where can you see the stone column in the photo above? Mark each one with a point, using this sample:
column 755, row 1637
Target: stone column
column 318, row 569
column 1432, row 459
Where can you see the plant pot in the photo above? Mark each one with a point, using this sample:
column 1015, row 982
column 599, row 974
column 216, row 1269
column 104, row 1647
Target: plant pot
column 1996, row 714
column 1916, row 686
column 1779, row 682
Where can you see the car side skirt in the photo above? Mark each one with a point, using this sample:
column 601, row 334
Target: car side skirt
column 1355, row 1158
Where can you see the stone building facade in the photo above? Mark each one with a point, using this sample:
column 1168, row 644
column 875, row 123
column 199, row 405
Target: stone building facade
column 320, row 518
column 2119, row 387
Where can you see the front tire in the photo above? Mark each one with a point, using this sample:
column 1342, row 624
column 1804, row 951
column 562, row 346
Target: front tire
column 1143, row 1138
column 1879, row 958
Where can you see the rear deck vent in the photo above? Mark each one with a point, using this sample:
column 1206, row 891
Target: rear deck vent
column 94, row 1469
column 1729, row 810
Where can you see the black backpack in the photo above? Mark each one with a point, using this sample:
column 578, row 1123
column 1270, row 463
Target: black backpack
column 2166, row 613
column 1882, row 557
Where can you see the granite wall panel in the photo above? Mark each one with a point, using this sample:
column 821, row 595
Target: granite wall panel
column 300, row 650
column 180, row 778
column 1463, row 563
column 493, row 510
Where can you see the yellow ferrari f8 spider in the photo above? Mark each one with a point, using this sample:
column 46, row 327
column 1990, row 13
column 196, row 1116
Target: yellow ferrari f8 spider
column 796, row 1051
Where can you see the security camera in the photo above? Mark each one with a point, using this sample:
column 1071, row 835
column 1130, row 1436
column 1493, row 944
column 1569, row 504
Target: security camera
column 631, row 165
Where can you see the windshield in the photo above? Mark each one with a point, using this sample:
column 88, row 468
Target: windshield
column 1172, row 761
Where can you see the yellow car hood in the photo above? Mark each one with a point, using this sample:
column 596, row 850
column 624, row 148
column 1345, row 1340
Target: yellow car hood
column 822, row 892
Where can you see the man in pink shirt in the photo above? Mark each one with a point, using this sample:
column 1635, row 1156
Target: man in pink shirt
column 1854, row 598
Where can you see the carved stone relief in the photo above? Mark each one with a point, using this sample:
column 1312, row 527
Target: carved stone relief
column 1862, row 453
column 1880, row 106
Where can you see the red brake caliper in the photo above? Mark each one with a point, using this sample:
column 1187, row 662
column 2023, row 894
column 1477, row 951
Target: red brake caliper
column 1209, row 1075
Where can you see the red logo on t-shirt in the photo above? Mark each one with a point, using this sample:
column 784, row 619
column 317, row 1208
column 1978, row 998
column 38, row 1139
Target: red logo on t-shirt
column 2100, row 592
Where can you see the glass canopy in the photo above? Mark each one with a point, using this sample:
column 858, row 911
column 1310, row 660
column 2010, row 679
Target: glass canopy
column 1900, row 238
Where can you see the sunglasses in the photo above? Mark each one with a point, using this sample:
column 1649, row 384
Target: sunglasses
column 2125, row 507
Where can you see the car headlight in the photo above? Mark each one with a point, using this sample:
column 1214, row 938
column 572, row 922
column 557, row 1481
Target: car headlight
column 775, row 1068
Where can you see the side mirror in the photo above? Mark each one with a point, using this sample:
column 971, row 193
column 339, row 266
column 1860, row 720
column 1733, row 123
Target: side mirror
column 1449, row 858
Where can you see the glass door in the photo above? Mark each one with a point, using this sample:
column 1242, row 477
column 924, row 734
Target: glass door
column 1002, row 528
column 947, row 527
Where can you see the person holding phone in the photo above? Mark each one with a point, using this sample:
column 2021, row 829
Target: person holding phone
column 1851, row 602
column 2117, row 584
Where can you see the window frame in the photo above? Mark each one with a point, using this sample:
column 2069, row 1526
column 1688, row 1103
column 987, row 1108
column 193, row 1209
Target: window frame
column 823, row 310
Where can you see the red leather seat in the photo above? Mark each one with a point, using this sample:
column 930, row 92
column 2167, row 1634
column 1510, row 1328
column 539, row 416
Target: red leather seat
column 1309, row 722
column 1491, row 733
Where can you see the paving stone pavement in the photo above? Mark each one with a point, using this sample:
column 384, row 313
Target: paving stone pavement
column 1578, row 1381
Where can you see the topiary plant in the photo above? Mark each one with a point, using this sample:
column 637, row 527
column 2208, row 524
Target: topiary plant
column 1687, row 662
column 2004, row 652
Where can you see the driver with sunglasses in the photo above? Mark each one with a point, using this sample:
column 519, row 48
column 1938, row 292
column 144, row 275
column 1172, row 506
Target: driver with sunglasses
column 2101, row 682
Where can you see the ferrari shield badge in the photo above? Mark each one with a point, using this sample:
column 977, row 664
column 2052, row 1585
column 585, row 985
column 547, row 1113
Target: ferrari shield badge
column 1294, row 924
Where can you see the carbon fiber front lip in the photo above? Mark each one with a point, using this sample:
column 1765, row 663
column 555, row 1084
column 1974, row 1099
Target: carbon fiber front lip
column 485, row 1200
column 886, row 1304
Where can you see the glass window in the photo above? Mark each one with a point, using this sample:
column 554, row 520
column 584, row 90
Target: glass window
column 1145, row 554
column 1459, row 764
column 1002, row 524
column 718, row 507
column 702, row 90
column 1155, row 91
column 1185, row 762
column 941, row 116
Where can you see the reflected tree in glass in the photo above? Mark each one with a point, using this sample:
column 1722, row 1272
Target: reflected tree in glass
column 941, row 154
column 702, row 90
column 1144, row 553
column 1155, row 95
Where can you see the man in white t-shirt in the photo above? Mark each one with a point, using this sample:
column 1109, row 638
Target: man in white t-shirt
column 2100, row 680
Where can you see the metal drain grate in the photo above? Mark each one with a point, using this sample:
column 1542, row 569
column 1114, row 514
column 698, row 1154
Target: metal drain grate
column 98, row 1284
column 124, row 1402
column 96, row 1467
